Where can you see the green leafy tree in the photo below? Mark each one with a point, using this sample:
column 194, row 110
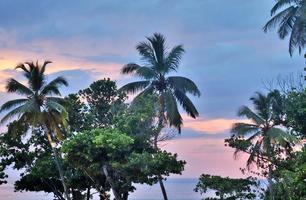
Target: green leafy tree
column 39, row 107
column 228, row 188
column 115, row 155
column 171, row 90
column 290, row 21
column 262, row 139
column 79, row 118
column 295, row 112
column 290, row 177
column 32, row 154
column 101, row 98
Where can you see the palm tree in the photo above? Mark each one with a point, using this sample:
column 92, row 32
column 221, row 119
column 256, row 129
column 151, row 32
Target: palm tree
column 291, row 21
column 39, row 107
column 263, row 135
column 171, row 90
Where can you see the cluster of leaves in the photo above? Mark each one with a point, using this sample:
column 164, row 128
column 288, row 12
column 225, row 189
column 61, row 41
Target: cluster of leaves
column 295, row 110
column 290, row 177
column 278, row 124
column 228, row 188
column 95, row 106
column 127, row 163
column 104, row 131
column 28, row 150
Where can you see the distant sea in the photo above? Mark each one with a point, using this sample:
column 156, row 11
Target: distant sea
column 177, row 188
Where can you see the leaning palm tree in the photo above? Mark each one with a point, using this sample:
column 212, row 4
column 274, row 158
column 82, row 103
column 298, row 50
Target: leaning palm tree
column 40, row 106
column 262, row 137
column 171, row 90
column 291, row 21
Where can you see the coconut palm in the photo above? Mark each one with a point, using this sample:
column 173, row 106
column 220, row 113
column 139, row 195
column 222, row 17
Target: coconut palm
column 263, row 135
column 290, row 21
column 171, row 90
column 40, row 106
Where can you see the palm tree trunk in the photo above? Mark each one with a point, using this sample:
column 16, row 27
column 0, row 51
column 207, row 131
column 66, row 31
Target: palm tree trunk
column 305, row 68
column 111, row 183
column 58, row 166
column 88, row 193
column 160, row 125
column 270, row 187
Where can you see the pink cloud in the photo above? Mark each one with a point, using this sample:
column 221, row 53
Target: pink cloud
column 206, row 156
column 217, row 125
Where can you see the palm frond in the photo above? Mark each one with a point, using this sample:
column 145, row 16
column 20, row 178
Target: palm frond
column 54, row 106
column 52, row 87
column 186, row 103
column 147, row 91
column 30, row 107
column 129, row 68
column 280, row 135
column 158, row 43
column 287, row 22
column 134, row 87
column 25, row 70
column 174, row 57
column 36, row 79
column 146, row 72
column 172, row 113
column 58, row 100
column 298, row 35
column 244, row 129
column 147, row 53
column 280, row 4
column 14, row 86
column 254, row 136
column 11, row 104
column 184, row 84
column 255, row 151
column 245, row 111
column 141, row 71
column 274, row 21
column 43, row 67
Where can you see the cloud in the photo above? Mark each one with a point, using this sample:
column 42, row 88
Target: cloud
column 206, row 156
column 211, row 126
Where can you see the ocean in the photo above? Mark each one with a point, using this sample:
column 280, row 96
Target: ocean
column 177, row 188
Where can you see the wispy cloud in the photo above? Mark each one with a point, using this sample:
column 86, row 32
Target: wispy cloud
column 212, row 126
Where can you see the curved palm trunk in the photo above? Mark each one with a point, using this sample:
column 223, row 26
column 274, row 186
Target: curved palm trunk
column 111, row 182
column 58, row 166
column 160, row 124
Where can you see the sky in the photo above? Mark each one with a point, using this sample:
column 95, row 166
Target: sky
column 227, row 55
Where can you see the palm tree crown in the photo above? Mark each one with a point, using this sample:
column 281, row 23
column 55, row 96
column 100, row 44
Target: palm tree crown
column 157, row 64
column 263, row 131
column 39, row 104
column 291, row 21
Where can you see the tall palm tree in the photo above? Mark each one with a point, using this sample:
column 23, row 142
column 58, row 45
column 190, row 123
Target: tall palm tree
column 171, row 90
column 263, row 134
column 40, row 106
column 291, row 21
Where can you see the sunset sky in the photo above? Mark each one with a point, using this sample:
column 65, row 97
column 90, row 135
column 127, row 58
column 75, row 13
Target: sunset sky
column 227, row 55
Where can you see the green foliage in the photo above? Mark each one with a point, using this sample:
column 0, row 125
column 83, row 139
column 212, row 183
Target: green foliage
column 228, row 188
column 295, row 110
column 263, row 139
column 171, row 90
column 127, row 161
column 148, row 165
column 291, row 182
column 290, row 21
column 29, row 150
column 95, row 106
column 40, row 107
column 112, row 141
